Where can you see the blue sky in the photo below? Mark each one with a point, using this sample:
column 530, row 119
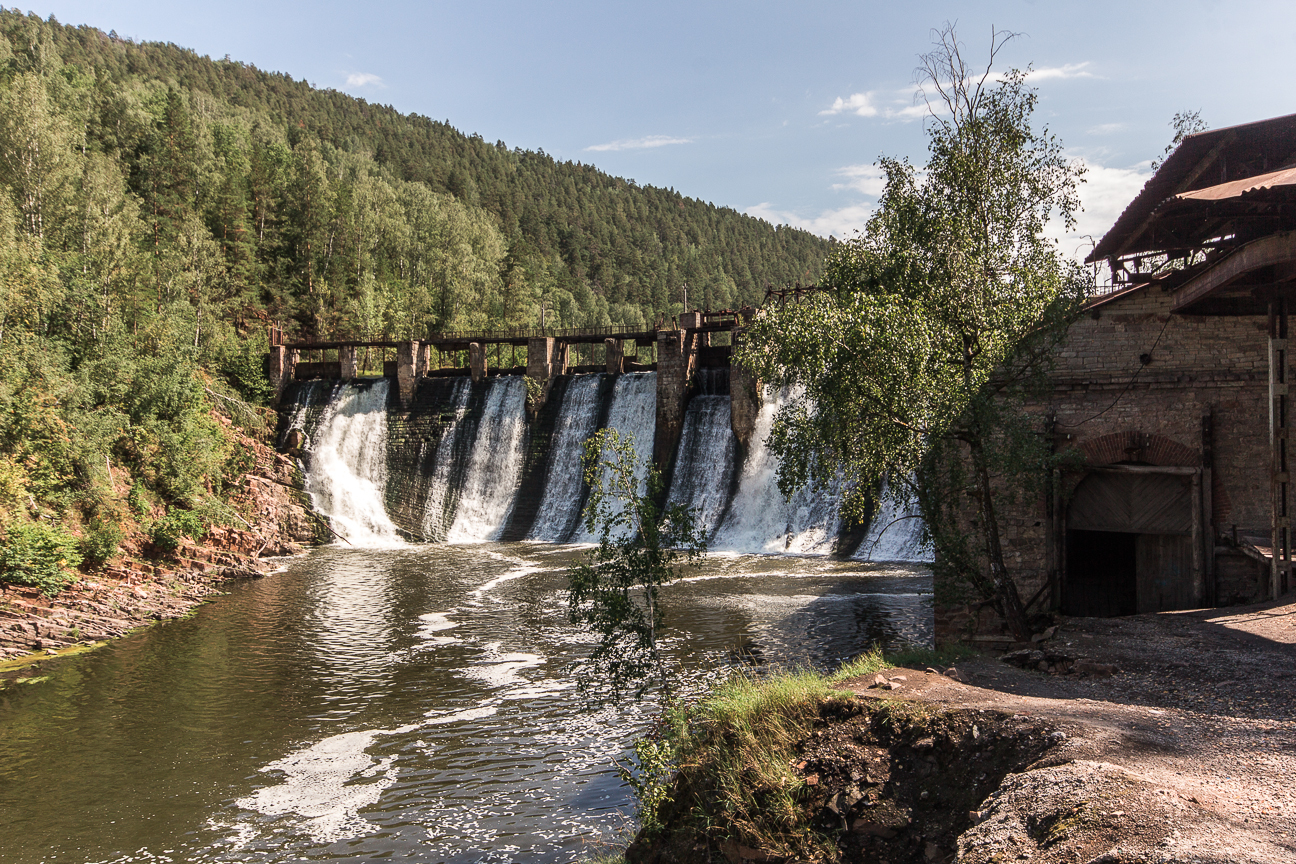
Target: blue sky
column 775, row 109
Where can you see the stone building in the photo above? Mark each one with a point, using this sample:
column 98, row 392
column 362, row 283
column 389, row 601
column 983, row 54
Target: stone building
column 1171, row 391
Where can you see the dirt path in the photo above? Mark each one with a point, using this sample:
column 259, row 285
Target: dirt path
column 1186, row 751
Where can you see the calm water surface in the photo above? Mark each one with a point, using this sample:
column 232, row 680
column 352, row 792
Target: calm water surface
column 412, row 703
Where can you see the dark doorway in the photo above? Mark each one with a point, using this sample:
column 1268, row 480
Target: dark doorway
column 1101, row 574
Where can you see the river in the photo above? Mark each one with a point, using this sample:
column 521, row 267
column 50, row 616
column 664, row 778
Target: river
column 413, row 702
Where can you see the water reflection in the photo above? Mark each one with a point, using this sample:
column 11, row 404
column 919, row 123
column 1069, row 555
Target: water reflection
column 401, row 702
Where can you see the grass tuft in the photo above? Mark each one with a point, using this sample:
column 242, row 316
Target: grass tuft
column 734, row 751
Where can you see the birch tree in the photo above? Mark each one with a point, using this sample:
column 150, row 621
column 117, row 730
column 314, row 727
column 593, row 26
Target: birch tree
column 936, row 320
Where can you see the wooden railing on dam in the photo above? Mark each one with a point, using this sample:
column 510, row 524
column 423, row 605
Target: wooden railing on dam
column 675, row 350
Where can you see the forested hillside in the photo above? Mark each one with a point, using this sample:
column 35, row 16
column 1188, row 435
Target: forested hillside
column 158, row 209
column 333, row 213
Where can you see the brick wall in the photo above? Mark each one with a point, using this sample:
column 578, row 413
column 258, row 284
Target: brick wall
column 1112, row 406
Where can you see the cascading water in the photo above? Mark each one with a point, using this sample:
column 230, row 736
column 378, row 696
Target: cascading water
column 439, row 510
column 760, row 519
column 633, row 411
column 348, row 466
column 492, row 474
column 704, row 464
column 895, row 534
column 559, row 509
column 477, row 442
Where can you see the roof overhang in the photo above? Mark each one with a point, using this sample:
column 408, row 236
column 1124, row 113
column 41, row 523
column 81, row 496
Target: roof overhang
column 1246, row 277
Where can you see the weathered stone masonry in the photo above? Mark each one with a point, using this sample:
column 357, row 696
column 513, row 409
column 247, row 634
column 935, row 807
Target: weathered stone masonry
column 1136, row 384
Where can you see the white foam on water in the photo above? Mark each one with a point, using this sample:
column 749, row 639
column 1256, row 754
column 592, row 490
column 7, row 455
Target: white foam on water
column 494, row 465
column 318, row 785
column 517, row 573
column 500, row 669
column 441, row 719
column 434, row 623
column 348, row 467
column 533, row 691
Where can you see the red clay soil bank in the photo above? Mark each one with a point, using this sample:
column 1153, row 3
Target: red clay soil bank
column 134, row 589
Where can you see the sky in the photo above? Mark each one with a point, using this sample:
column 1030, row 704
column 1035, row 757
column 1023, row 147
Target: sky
column 776, row 109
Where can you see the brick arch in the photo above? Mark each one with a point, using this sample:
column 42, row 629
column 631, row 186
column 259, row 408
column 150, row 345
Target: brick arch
column 1149, row 448
column 1154, row 449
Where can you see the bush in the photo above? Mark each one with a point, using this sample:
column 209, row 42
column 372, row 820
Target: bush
column 39, row 555
column 138, row 499
column 100, row 543
column 245, row 370
column 167, row 532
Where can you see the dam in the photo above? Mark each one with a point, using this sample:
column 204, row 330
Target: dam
column 483, row 451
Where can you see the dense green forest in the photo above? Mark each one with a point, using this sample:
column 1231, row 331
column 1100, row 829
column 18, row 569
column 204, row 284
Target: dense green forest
column 159, row 209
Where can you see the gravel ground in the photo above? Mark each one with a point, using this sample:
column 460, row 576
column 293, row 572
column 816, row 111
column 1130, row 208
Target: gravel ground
column 1186, row 751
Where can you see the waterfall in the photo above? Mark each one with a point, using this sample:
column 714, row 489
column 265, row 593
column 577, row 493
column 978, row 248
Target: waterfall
column 299, row 419
column 895, row 534
column 492, row 473
column 472, row 441
column 559, row 510
column 760, row 519
column 348, row 465
column 441, row 499
column 704, row 464
column 634, row 411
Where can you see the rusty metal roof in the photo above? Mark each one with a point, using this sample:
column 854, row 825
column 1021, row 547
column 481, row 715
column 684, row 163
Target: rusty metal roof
column 1215, row 158
column 1238, row 188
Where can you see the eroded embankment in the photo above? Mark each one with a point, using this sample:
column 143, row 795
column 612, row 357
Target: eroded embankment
column 867, row 781
column 139, row 587
column 1178, row 745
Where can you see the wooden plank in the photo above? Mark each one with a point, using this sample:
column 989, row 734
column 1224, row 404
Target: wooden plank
column 1179, row 470
column 1133, row 504
column 1163, row 567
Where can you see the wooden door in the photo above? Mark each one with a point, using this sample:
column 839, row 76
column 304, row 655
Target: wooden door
column 1163, row 564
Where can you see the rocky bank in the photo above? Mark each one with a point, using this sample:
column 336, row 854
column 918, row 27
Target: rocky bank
column 1154, row 738
column 138, row 587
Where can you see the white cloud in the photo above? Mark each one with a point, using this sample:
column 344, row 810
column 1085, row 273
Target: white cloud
column 869, row 179
column 1105, row 128
column 1068, row 70
column 840, row 223
column 639, row 143
column 1105, row 194
column 860, row 104
column 363, row 79
column 898, row 105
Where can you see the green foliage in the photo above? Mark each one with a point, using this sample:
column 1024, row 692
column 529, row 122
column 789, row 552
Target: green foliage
column 167, row 532
column 40, row 555
column 138, row 500
column 244, row 369
column 1184, row 123
column 656, row 761
column 535, row 391
column 939, row 323
column 735, row 752
column 100, row 543
column 615, row 592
